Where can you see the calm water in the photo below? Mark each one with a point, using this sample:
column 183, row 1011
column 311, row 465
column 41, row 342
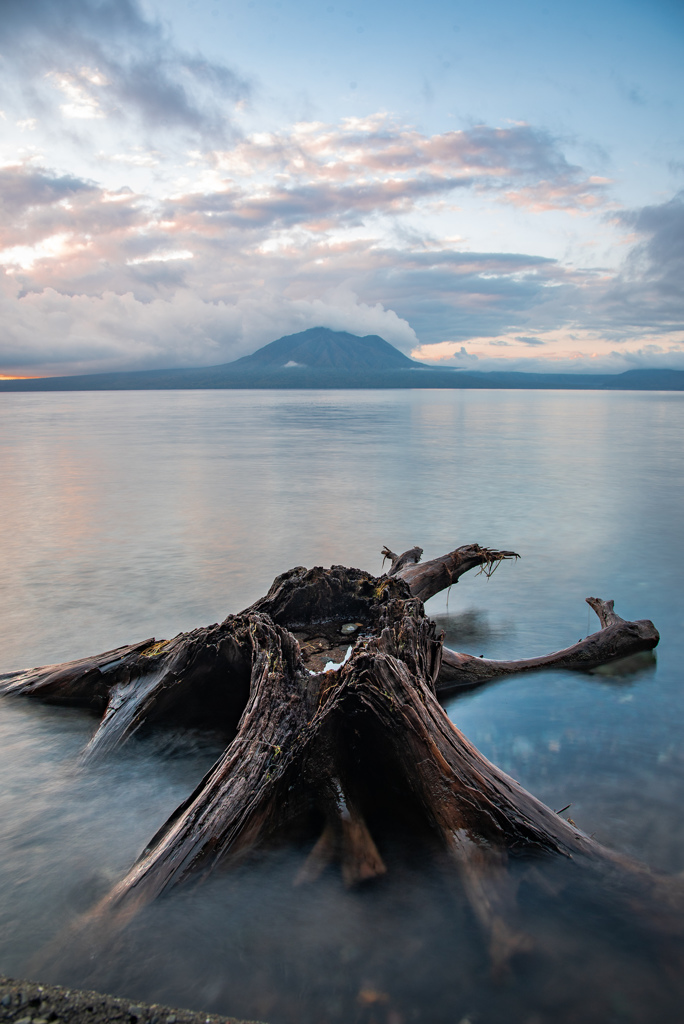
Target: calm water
column 131, row 515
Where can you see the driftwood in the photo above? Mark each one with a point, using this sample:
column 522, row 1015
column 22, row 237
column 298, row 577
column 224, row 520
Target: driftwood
column 326, row 691
column 616, row 639
column 426, row 579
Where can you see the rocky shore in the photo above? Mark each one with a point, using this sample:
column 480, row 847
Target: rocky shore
column 27, row 1002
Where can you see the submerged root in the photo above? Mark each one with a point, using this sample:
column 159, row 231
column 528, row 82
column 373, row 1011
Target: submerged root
column 326, row 759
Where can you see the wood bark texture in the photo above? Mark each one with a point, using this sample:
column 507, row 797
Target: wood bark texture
column 326, row 691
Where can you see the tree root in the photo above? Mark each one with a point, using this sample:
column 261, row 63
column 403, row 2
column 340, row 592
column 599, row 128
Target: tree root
column 616, row 639
column 321, row 758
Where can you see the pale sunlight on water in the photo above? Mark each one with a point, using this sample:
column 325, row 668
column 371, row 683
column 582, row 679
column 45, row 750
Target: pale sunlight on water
column 131, row 515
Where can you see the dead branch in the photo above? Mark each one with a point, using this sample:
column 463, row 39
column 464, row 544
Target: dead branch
column 398, row 562
column 429, row 578
column 616, row 639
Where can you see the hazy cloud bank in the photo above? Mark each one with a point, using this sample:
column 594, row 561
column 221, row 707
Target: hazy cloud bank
column 97, row 59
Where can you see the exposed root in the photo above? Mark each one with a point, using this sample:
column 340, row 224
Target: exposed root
column 314, row 754
column 429, row 578
column 345, row 838
column 616, row 639
column 492, row 561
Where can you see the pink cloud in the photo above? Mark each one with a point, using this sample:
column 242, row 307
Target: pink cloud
column 574, row 197
column 283, row 231
column 378, row 148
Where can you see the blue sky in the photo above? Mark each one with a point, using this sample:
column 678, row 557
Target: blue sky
column 489, row 186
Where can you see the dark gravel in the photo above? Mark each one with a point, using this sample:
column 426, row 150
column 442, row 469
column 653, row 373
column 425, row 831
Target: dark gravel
column 27, row 1002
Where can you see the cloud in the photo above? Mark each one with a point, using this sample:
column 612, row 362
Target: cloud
column 259, row 262
column 311, row 203
column 37, row 204
column 283, row 214
column 326, row 224
column 662, row 249
column 564, row 194
column 105, row 58
column 649, row 291
column 24, row 186
column 444, row 351
column 72, row 334
column 377, row 149
column 566, row 350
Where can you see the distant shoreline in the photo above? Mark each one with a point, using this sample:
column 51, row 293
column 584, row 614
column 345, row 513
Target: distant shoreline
column 321, row 359
column 302, row 378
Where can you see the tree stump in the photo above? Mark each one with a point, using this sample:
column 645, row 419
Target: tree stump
column 327, row 691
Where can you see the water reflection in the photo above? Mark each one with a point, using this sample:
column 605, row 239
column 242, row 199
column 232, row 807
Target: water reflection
column 473, row 628
column 133, row 514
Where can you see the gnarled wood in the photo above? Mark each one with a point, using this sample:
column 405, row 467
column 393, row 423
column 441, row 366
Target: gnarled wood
column 198, row 678
column 244, row 798
column 428, row 578
column 607, row 616
column 345, row 838
column 317, row 753
column 86, row 682
column 616, row 639
column 398, row 562
column 323, row 758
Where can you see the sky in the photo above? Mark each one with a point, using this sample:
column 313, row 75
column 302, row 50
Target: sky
column 490, row 186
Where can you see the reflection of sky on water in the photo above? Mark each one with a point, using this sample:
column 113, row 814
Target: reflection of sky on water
column 610, row 747
column 132, row 513
column 127, row 515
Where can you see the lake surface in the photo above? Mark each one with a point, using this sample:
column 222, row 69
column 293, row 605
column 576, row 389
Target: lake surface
column 140, row 514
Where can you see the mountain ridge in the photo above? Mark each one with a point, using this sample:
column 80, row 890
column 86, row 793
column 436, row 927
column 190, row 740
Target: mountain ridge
column 322, row 348
column 339, row 360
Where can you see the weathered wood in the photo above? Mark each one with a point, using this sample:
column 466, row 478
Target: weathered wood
column 616, row 639
column 398, row 562
column 289, row 765
column 85, row 682
column 345, row 838
column 198, row 678
column 317, row 753
column 313, row 755
column 244, row 798
column 428, row 578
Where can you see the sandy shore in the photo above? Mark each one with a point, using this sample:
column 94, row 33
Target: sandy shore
column 27, row 1002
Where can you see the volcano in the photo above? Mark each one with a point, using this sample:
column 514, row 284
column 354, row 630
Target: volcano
column 322, row 358
column 319, row 348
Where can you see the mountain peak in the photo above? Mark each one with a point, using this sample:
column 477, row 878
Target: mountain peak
column 322, row 348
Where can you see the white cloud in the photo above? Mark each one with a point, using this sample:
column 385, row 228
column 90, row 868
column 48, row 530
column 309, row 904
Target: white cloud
column 112, row 60
column 161, row 257
column 26, row 256
column 323, row 224
column 82, row 103
column 65, row 334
